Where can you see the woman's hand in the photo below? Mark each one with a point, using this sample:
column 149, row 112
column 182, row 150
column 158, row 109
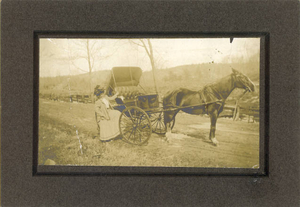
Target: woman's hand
column 105, row 118
column 121, row 97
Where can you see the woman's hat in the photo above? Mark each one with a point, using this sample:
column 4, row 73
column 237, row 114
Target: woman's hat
column 98, row 90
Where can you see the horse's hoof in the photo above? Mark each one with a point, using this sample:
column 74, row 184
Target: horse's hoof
column 165, row 139
column 168, row 135
column 215, row 141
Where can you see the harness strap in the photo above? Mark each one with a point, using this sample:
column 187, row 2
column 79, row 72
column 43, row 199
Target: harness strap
column 202, row 96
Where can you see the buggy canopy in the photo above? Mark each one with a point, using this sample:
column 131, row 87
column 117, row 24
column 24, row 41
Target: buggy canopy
column 125, row 76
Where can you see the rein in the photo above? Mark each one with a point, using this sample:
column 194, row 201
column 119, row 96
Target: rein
column 192, row 106
column 243, row 94
column 236, row 105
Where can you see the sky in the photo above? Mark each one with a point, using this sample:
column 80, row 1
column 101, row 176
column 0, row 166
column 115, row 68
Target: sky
column 63, row 56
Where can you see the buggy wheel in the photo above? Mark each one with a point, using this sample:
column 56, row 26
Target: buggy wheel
column 157, row 123
column 135, row 125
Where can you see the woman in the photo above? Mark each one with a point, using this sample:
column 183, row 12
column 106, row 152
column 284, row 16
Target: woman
column 107, row 118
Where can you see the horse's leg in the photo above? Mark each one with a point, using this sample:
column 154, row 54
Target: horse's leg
column 168, row 130
column 213, row 120
column 168, row 117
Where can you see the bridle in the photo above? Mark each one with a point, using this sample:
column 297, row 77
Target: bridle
column 238, row 78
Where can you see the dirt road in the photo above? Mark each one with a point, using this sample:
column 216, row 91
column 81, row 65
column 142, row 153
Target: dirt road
column 64, row 126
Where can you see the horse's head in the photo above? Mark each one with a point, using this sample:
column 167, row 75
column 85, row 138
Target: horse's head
column 243, row 81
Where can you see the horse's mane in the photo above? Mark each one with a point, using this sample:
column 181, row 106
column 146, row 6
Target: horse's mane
column 216, row 82
column 208, row 93
column 209, row 85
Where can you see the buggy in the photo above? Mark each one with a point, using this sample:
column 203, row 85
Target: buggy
column 141, row 112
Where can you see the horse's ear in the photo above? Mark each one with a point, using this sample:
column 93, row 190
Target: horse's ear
column 235, row 71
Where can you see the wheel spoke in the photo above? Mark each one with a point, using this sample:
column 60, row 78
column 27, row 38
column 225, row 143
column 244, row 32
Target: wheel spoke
column 160, row 128
column 135, row 125
column 156, row 125
column 127, row 119
column 143, row 134
column 131, row 116
column 125, row 124
column 144, row 126
column 135, row 113
column 127, row 130
column 140, row 120
column 130, row 134
column 140, row 134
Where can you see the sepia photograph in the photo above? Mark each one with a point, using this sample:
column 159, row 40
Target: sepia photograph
column 150, row 102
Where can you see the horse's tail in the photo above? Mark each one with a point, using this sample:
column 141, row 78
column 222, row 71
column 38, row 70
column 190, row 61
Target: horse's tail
column 166, row 99
column 169, row 99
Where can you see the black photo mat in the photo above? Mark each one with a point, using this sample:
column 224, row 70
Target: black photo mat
column 24, row 183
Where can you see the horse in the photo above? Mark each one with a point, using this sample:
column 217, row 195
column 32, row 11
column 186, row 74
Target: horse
column 209, row 100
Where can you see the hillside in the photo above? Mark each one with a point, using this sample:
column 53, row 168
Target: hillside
column 189, row 76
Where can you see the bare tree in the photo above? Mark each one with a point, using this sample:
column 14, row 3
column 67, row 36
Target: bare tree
column 89, row 51
column 146, row 44
column 83, row 55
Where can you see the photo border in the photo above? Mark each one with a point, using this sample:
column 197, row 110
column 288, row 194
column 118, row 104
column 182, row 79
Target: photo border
column 20, row 19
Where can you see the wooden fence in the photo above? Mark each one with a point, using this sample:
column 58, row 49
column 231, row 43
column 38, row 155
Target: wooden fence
column 253, row 113
column 238, row 112
column 68, row 98
column 235, row 112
